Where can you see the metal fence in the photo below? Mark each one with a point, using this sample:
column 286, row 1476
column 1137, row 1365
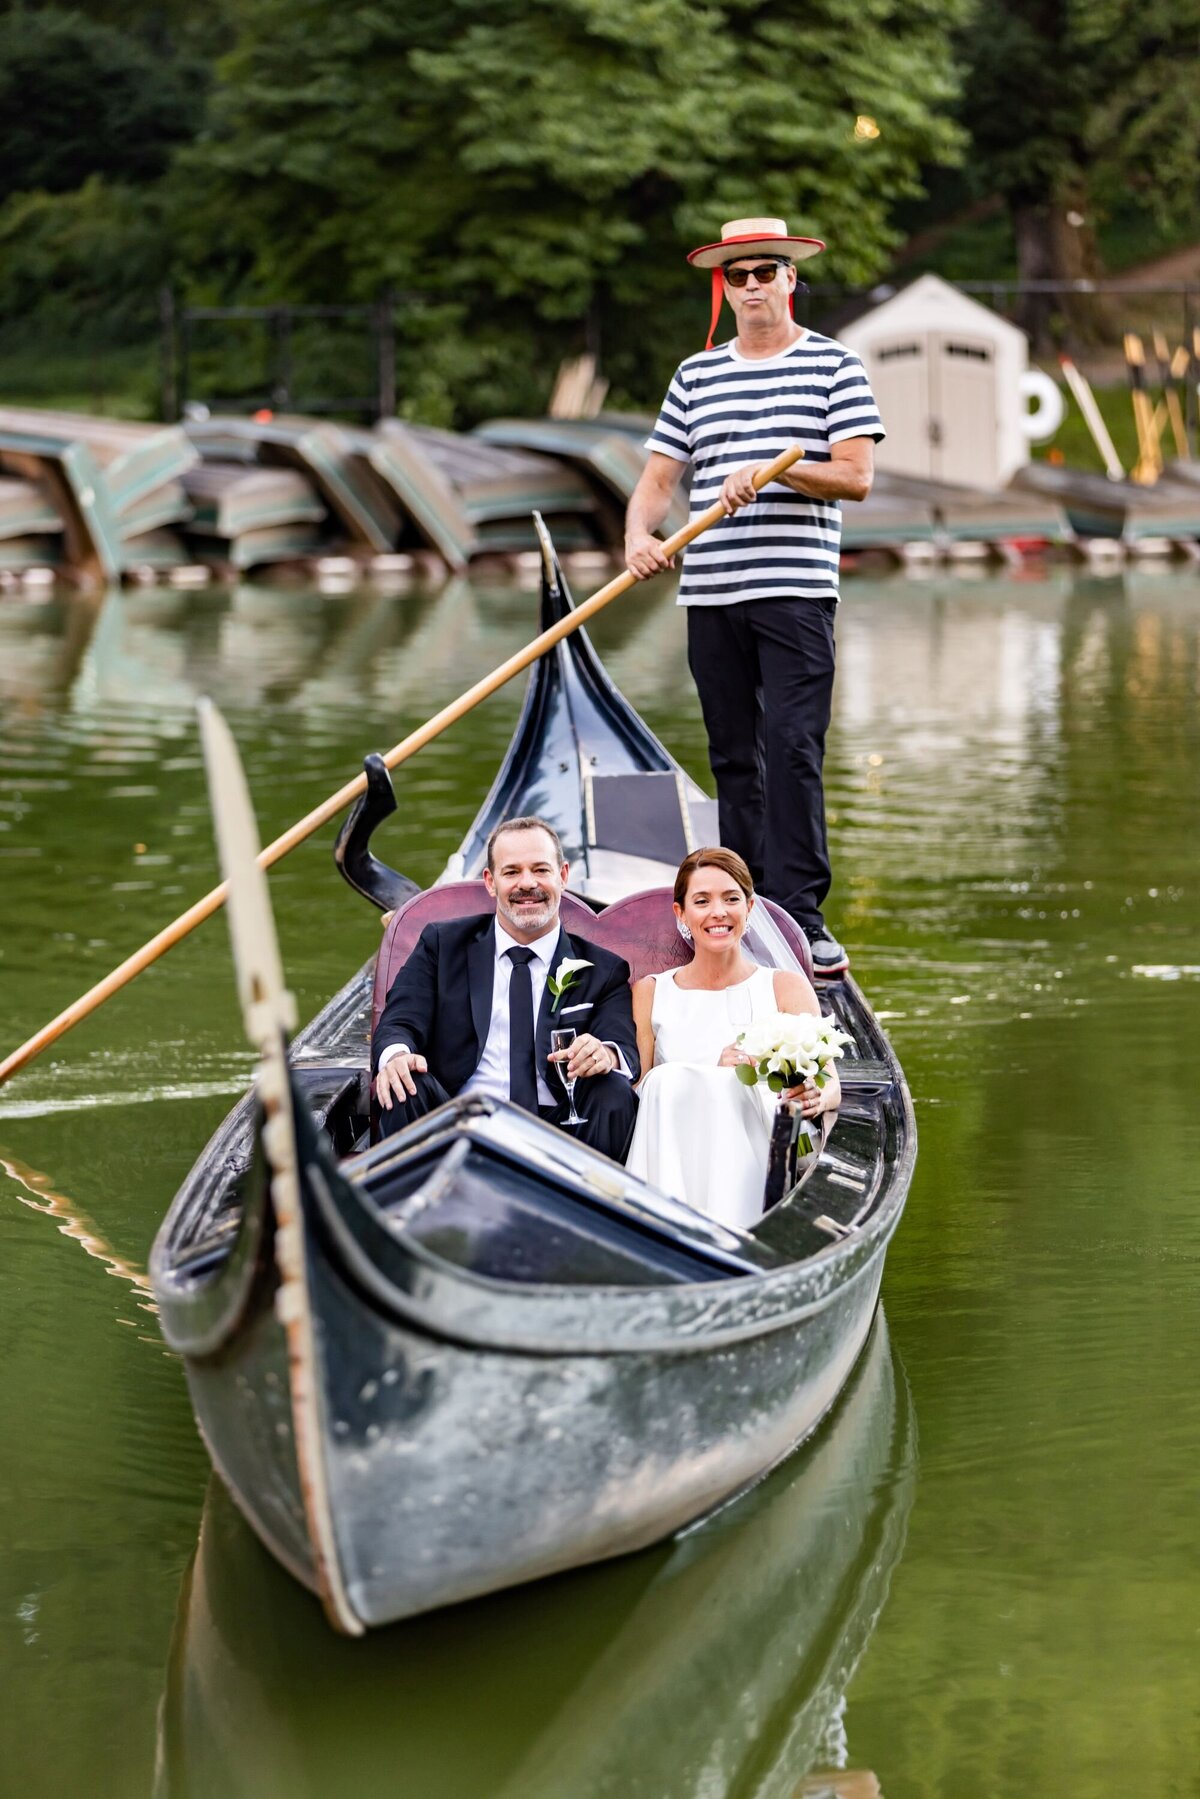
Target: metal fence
column 342, row 358
column 288, row 358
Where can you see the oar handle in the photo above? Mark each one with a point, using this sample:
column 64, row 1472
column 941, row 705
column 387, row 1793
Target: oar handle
column 337, row 802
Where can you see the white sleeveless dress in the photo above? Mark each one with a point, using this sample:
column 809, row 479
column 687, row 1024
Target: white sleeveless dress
column 702, row 1135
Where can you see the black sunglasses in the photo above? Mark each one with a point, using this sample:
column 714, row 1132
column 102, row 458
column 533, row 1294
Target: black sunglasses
column 766, row 271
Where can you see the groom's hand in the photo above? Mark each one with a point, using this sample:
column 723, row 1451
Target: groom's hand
column 587, row 1056
column 395, row 1080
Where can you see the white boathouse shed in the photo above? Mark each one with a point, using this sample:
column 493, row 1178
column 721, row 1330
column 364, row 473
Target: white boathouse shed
column 953, row 384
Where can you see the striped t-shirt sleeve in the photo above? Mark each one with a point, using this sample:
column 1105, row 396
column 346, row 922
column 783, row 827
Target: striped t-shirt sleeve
column 852, row 409
column 671, row 435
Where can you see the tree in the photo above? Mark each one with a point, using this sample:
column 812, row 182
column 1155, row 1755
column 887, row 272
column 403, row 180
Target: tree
column 1073, row 105
column 541, row 165
column 79, row 99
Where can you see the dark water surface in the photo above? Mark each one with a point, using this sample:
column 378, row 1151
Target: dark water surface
column 983, row 1578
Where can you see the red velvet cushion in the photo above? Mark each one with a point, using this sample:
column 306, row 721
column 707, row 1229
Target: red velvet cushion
column 641, row 928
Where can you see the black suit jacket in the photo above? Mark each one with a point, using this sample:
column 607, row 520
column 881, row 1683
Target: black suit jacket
column 440, row 1003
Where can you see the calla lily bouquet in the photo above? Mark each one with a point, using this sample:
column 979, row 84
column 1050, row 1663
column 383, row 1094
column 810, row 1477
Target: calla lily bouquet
column 788, row 1048
column 564, row 976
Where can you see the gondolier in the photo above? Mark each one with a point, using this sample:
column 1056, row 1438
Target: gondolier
column 761, row 589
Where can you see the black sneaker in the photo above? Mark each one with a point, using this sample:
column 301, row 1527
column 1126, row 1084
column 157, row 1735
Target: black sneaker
column 829, row 958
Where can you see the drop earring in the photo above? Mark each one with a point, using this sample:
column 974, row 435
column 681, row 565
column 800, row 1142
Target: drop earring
column 685, row 930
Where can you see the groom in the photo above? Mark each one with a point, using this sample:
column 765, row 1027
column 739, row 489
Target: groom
column 472, row 1009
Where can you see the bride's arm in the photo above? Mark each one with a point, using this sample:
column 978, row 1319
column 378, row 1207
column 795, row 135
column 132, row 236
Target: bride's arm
column 643, row 1003
column 794, row 992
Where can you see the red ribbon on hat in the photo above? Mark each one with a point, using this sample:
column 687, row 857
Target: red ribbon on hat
column 718, row 295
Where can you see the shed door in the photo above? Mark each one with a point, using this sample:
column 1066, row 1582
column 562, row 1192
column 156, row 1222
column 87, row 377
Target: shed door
column 900, row 382
column 962, row 394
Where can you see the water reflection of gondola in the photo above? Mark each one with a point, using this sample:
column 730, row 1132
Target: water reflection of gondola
column 716, row 1664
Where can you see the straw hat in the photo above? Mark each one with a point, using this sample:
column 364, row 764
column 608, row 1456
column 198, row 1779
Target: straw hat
column 748, row 237
column 754, row 237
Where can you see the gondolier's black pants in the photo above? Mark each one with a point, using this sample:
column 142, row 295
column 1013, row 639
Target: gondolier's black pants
column 764, row 673
column 607, row 1103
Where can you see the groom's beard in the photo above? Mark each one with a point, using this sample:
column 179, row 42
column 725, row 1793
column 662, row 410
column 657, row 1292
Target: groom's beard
column 535, row 917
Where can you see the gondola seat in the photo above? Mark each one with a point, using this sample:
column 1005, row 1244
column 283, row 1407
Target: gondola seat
column 641, row 928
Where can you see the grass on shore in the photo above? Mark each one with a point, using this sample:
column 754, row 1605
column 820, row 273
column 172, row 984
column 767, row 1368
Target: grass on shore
column 121, row 383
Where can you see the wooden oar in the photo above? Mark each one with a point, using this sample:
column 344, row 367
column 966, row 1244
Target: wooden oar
column 1080, row 386
column 416, row 740
column 1148, row 467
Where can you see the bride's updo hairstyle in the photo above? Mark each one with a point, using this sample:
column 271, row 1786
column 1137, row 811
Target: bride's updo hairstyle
column 728, row 861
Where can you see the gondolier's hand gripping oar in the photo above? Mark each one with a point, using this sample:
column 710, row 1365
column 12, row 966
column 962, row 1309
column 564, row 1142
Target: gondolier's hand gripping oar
column 416, row 740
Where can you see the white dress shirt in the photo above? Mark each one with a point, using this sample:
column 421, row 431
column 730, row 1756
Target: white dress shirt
column 492, row 1074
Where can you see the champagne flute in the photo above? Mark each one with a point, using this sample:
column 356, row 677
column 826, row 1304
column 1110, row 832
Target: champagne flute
column 562, row 1041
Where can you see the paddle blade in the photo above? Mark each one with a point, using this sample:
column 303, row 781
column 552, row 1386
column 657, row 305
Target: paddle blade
column 267, row 1007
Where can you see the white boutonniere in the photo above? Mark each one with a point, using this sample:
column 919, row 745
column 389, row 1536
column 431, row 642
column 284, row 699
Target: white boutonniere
column 564, row 976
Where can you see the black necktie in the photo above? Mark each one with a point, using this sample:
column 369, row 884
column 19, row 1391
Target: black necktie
column 522, row 1075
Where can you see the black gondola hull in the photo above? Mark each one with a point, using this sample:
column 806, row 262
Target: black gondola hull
column 570, row 1366
column 785, row 1587
column 477, row 1433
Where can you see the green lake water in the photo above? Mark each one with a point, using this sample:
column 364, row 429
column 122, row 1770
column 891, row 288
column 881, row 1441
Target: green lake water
column 983, row 1577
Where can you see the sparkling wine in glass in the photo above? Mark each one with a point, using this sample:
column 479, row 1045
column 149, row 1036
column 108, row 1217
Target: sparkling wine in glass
column 562, row 1040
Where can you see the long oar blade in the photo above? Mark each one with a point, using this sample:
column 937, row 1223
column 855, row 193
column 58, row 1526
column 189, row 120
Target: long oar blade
column 269, row 1011
column 267, row 1007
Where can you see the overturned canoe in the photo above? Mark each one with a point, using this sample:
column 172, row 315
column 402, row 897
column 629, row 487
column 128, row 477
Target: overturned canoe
column 479, row 1352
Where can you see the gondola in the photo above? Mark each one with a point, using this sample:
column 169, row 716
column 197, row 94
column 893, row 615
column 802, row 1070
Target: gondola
column 716, row 1664
column 479, row 1353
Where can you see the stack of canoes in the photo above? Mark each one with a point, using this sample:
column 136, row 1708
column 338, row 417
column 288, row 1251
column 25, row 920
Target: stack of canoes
column 359, row 512
column 115, row 487
column 1168, row 513
column 905, row 510
column 499, row 488
column 410, row 488
column 31, row 530
column 245, row 516
column 606, row 453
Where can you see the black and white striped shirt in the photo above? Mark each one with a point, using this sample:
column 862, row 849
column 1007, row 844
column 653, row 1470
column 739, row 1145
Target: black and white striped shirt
column 724, row 410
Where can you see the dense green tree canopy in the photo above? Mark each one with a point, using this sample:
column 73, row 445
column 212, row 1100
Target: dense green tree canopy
column 551, row 160
column 80, row 98
column 543, row 141
column 1073, row 106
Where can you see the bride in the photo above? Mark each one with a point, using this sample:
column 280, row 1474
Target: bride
column 702, row 1135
